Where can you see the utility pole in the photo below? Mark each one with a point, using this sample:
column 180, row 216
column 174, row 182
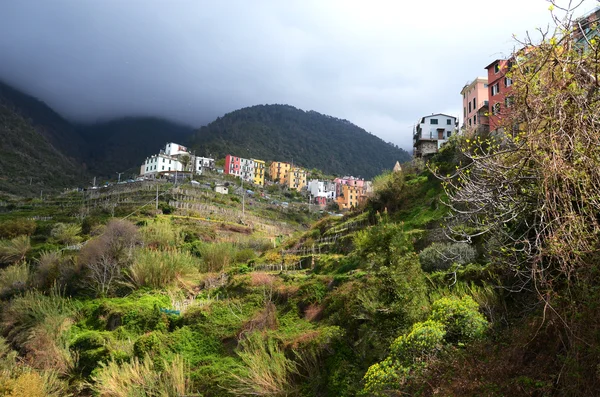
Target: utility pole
column 157, row 196
column 243, row 198
column 94, row 183
column 119, row 173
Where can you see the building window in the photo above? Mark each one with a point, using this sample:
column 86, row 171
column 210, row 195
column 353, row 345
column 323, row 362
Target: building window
column 465, row 112
column 448, row 122
column 497, row 67
column 485, row 85
column 475, row 119
column 469, row 106
column 449, row 134
column 469, row 122
column 433, row 121
column 508, row 101
column 507, row 82
column 495, row 89
column 496, row 108
column 474, row 103
column 163, row 167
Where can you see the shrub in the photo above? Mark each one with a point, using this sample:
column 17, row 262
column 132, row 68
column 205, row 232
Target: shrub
column 245, row 255
column 141, row 378
column 33, row 384
column 159, row 269
column 216, row 256
column 161, row 233
column 461, row 318
column 423, row 341
column 38, row 325
column 17, row 227
column 66, row 233
column 104, row 257
column 382, row 243
column 13, row 279
column 266, row 370
column 47, row 271
column 440, row 256
column 14, row 250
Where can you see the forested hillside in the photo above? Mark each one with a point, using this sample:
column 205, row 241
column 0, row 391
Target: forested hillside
column 308, row 138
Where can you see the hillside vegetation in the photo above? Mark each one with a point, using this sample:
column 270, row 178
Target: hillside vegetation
column 308, row 138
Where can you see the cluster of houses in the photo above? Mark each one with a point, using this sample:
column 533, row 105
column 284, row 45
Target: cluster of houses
column 485, row 100
column 347, row 192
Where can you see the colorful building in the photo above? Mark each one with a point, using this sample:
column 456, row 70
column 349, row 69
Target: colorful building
column 431, row 132
column 259, row 172
column 349, row 198
column 321, row 191
column 475, row 105
column 296, row 178
column 278, row 171
column 499, row 92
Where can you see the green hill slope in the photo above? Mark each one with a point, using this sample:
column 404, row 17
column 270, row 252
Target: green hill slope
column 29, row 162
column 310, row 139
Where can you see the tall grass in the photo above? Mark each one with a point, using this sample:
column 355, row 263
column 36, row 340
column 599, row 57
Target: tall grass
column 159, row 269
column 28, row 383
column 13, row 278
column 266, row 371
column 47, row 269
column 141, row 379
column 66, row 233
column 161, row 234
column 38, row 325
column 14, row 250
column 216, row 257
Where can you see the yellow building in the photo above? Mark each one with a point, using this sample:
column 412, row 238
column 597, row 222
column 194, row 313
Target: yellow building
column 279, row 171
column 296, row 178
column 259, row 172
column 349, row 197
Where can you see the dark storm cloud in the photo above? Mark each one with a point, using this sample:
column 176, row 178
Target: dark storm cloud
column 379, row 64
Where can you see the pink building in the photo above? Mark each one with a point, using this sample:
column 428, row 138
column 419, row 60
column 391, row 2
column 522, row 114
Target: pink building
column 350, row 181
column 475, row 105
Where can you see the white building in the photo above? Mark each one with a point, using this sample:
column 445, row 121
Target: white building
column 222, row 189
column 321, row 191
column 431, row 132
column 171, row 159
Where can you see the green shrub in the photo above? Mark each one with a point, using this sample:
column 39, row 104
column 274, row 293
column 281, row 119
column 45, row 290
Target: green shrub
column 16, row 227
column 66, row 233
column 244, row 255
column 423, row 341
column 216, row 256
column 159, row 269
column 142, row 378
column 441, row 256
column 14, row 250
column 266, row 371
column 13, row 279
column 91, row 349
column 161, row 233
column 47, row 270
column 379, row 245
column 461, row 317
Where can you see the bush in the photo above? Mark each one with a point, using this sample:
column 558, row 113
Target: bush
column 14, row 250
column 159, row 269
column 13, row 279
column 441, row 256
column 266, row 370
column 461, row 318
column 47, row 271
column 244, row 255
column 66, row 233
column 216, row 256
column 104, row 257
column 424, row 341
column 161, row 234
column 16, row 227
column 29, row 383
column 141, row 378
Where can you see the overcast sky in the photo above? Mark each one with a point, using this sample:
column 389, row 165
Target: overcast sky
column 379, row 64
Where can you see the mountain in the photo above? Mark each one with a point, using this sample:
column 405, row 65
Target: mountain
column 308, row 138
column 121, row 145
column 29, row 162
column 57, row 131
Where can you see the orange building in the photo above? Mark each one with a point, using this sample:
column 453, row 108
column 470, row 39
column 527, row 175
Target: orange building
column 350, row 197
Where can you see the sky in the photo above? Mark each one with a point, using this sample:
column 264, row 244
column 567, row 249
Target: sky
column 380, row 64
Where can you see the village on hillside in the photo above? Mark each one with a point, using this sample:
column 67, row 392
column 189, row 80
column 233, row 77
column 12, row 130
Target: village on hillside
column 175, row 161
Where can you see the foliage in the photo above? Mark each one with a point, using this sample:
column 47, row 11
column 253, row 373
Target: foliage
column 161, row 234
column 66, row 233
column 216, row 256
column 141, row 378
column 13, row 279
column 440, row 256
column 105, row 257
column 16, row 227
column 160, row 269
column 381, row 244
column 266, row 370
column 460, row 317
column 14, row 250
